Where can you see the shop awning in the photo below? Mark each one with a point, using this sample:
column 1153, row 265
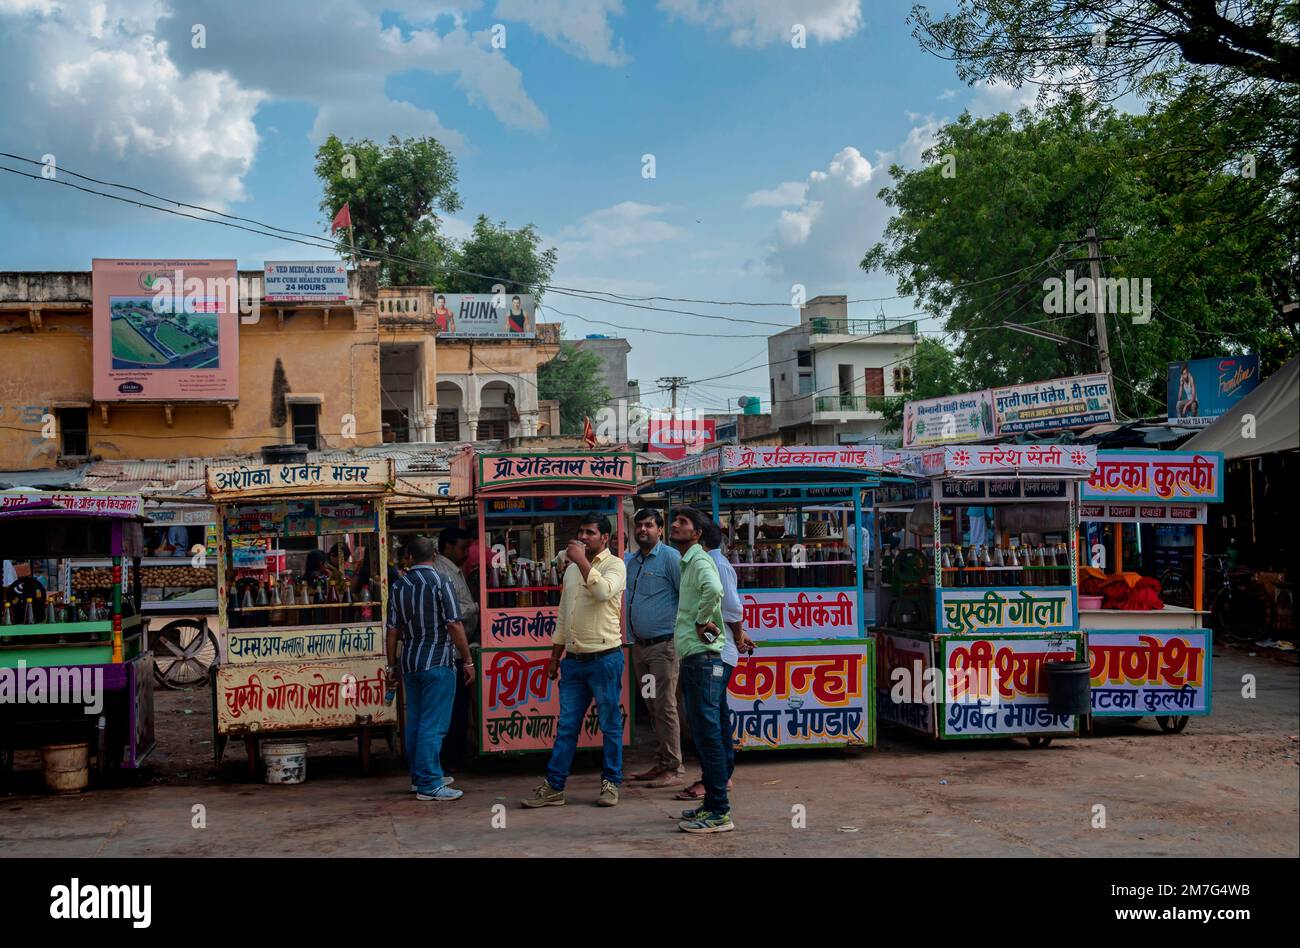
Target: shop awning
column 1275, row 405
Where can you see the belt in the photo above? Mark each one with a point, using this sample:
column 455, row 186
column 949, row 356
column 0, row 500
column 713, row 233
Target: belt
column 654, row 641
column 590, row 656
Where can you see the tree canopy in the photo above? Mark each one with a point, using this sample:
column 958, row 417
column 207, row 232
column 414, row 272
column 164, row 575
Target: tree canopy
column 575, row 379
column 494, row 254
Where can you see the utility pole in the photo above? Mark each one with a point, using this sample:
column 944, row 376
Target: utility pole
column 674, row 382
column 1098, row 308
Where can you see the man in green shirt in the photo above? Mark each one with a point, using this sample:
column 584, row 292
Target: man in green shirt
column 698, row 636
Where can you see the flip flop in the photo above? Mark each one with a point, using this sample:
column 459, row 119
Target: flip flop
column 689, row 794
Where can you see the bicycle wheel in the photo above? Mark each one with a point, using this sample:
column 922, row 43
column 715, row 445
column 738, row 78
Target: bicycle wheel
column 1172, row 725
column 183, row 653
column 1174, row 588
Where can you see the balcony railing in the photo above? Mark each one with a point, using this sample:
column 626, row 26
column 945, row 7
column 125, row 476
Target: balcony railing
column 837, row 326
column 833, row 403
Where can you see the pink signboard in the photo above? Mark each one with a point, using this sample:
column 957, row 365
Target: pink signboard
column 1160, row 476
column 519, row 705
column 165, row 330
column 865, row 457
column 615, row 471
column 518, row 628
column 1164, row 671
column 1048, row 458
column 676, row 437
column 800, row 613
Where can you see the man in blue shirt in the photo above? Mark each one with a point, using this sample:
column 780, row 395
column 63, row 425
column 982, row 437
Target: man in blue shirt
column 422, row 613
column 653, row 576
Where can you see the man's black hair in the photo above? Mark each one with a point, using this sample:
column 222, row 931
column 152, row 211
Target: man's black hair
column 649, row 513
column 420, row 550
column 711, row 535
column 603, row 526
column 449, row 536
column 697, row 519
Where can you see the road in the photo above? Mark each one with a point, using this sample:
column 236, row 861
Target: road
column 1227, row 786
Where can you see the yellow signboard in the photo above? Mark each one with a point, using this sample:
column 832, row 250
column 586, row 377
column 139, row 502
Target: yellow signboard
column 307, row 696
column 301, row 477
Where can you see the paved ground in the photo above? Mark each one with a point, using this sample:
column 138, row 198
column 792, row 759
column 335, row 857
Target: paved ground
column 1227, row 786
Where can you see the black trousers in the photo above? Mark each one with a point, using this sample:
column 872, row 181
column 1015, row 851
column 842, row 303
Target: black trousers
column 456, row 741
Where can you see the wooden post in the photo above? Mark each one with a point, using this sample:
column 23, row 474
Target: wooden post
column 1198, row 569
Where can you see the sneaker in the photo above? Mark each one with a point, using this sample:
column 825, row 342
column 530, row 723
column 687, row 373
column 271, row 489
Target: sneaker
column 446, row 782
column 693, row 814
column 442, row 793
column 608, row 794
column 706, row 822
column 545, row 795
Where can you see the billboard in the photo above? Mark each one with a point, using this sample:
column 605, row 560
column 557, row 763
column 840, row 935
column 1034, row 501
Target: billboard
column 948, row 420
column 165, row 330
column 305, row 281
column 1203, row 389
column 1079, row 401
column 484, row 315
column 674, row 438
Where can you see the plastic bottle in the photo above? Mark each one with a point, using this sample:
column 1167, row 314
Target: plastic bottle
column 367, row 613
column 5, row 617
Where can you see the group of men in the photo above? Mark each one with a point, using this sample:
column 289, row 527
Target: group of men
column 683, row 617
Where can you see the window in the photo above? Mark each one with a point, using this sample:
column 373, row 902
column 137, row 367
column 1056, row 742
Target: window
column 306, row 427
column 805, row 358
column 902, row 379
column 493, row 424
column 875, row 382
column 805, row 383
column 771, row 386
column 74, row 432
column 447, row 427
column 396, row 426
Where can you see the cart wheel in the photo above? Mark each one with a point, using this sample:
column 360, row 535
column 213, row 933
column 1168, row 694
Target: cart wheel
column 1173, row 725
column 1036, row 742
column 183, row 653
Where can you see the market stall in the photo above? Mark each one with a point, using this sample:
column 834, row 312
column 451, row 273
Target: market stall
column 1148, row 655
column 797, row 528
column 528, row 506
column 89, row 632
column 977, row 591
column 302, row 593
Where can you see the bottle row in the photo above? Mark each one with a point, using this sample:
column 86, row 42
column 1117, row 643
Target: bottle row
column 1046, row 564
column 50, row 610
column 286, row 601
column 522, row 584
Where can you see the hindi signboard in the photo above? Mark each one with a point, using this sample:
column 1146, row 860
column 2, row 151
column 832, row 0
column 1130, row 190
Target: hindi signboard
column 1156, row 477
column 994, row 686
column 484, row 315
column 1202, row 390
column 165, row 330
column 775, row 614
column 305, row 281
column 1079, row 401
column 300, row 477
column 568, row 469
column 803, row 694
column 948, row 420
column 1007, row 609
column 301, row 696
column 519, row 705
column 519, row 627
column 903, row 664
column 675, row 437
column 249, row 647
column 1164, row 672
column 116, row 505
column 1044, row 458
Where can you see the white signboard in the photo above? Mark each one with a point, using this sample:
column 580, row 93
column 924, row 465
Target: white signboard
column 948, row 420
column 305, row 281
column 1076, row 402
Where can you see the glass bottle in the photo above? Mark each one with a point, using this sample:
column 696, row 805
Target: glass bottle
column 367, row 613
column 5, row 617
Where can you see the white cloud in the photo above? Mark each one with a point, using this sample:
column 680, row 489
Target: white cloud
column 626, row 228
column 947, row 94
column 783, row 195
column 762, row 22
column 580, row 27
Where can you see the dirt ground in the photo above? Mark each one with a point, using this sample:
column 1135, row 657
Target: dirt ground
column 1227, row 786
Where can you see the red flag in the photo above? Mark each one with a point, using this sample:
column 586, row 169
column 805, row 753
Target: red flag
column 342, row 219
column 588, row 432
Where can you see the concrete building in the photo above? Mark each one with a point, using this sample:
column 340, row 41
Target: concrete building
column 358, row 374
column 824, row 372
column 612, row 352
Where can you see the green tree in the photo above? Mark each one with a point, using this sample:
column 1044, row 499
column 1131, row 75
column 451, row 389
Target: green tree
column 394, row 193
column 933, row 373
column 977, row 247
column 574, row 377
column 494, row 254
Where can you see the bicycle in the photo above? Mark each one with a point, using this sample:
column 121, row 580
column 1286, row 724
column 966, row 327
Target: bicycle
column 1240, row 610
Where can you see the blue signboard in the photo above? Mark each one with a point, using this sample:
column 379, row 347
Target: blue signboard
column 1203, row 389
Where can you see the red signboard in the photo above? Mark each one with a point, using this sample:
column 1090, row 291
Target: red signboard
column 674, row 438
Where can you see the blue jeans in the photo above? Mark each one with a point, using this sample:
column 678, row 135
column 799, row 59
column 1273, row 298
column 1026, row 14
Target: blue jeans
column 704, row 690
column 580, row 682
column 429, row 697
column 724, row 719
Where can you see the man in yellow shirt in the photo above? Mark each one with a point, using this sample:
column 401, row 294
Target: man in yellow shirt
column 587, row 655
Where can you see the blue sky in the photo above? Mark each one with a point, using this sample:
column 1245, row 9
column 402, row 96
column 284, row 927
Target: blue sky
column 767, row 157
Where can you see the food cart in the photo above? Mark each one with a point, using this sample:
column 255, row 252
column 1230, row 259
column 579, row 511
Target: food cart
column 1155, row 658
column 980, row 594
column 302, row 593
column 796, row 528
column 92, row 638
column 528, row 506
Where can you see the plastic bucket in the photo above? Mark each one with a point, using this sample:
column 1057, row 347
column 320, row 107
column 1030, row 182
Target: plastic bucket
column 66, row 767
column 1068, row 687
column 286, row 761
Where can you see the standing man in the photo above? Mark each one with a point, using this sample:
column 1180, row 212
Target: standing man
column 699, row 637
column 422, row 613
column 589, row 639
column 453, row 544
column 654, row 572
column 735, row 642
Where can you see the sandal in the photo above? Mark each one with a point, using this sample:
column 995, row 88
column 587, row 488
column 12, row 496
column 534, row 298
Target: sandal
column 690, row 792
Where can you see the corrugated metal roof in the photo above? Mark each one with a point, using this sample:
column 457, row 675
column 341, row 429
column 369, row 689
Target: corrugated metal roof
column 63, row 478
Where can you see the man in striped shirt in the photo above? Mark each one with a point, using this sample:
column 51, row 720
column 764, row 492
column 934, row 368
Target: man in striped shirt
column 422, row 613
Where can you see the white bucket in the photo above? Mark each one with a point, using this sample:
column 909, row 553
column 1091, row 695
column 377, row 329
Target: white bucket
column 286, row 761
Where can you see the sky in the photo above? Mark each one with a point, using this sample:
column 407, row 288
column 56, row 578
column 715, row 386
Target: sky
column 767, row 154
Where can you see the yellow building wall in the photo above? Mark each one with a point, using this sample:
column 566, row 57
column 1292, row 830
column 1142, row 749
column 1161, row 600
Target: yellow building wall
column 50, row 367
